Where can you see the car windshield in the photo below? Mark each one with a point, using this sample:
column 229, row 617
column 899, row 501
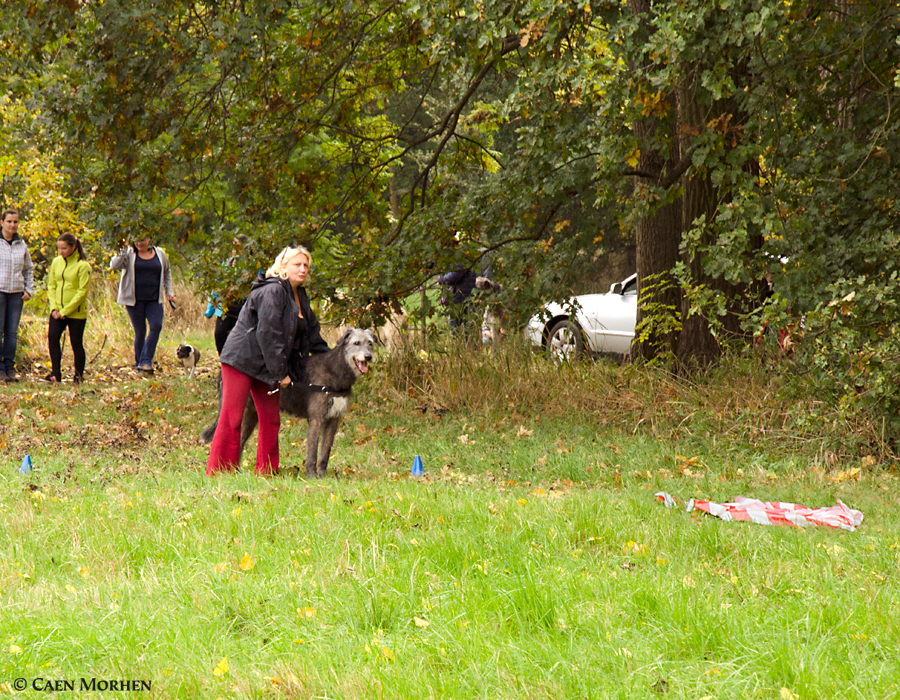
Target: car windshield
column 630, row 288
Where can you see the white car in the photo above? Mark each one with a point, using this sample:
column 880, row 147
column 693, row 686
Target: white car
column 589, row 323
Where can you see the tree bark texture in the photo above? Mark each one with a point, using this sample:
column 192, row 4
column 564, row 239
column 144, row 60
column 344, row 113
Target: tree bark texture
column 658, row 231
column 697, row 345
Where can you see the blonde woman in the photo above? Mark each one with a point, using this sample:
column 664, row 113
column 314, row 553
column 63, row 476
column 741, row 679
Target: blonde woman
column 268, row 349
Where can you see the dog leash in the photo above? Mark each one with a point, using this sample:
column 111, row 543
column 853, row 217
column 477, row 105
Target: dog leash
column 328, row 390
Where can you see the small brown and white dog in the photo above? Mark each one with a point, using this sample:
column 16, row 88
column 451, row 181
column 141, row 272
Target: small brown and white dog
column 189, row 356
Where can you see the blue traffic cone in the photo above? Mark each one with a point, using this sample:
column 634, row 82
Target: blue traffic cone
column 26, row 465
column 417, row 467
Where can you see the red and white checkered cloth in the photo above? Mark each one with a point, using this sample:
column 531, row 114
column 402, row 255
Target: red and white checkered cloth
column 774, row 512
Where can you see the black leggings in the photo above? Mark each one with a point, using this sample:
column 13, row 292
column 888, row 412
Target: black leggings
column 226, row 322
column 76, row 339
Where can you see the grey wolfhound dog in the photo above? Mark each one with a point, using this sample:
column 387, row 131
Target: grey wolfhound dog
column 322, row 398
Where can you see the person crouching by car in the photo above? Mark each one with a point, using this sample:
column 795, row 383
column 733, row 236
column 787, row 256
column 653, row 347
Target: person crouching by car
column 68, row 282
column 275, row 333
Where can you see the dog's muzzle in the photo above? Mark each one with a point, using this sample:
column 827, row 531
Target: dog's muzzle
column 362, row 366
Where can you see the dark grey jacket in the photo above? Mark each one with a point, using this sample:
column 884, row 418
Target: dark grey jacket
column 262, row 344
column 461, row 282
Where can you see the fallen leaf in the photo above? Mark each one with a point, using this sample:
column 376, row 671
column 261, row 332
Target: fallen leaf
column 222, row 668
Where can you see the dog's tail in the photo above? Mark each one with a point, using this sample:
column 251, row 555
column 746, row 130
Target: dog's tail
column 206, row 435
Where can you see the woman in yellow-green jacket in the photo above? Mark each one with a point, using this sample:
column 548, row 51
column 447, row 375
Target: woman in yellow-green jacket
column 68, row 283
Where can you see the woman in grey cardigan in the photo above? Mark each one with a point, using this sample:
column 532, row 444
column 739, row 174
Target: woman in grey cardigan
column 146, row 283
column 16, row 287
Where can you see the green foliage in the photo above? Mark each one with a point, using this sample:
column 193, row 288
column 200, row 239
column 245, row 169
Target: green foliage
column 852, row 346
column 31, row 182
column 398, row 140
column 661, row 319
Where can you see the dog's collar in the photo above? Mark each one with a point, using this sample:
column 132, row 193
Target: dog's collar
column 328, row 390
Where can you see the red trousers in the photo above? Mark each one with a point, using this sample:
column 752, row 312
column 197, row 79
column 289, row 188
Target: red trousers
column 224, row 454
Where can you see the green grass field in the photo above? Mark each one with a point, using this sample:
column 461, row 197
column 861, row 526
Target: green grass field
column 532, row 561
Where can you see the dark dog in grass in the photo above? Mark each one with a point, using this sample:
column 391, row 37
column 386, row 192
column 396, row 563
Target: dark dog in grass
column 323, row 398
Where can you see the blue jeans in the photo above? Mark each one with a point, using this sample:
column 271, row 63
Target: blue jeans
column 11, row 304
column 142, row 314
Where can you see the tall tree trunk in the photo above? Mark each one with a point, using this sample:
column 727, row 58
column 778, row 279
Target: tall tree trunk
column 658, row 232
column 697, row 345
column 658, row 236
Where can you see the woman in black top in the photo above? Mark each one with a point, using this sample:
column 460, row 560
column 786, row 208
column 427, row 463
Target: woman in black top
column 146, row 283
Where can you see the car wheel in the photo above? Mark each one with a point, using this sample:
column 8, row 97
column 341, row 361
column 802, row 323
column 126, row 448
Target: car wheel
column 565, row 342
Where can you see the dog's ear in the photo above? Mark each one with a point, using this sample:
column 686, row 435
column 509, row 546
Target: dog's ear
column 374, row 338
column 343, row 338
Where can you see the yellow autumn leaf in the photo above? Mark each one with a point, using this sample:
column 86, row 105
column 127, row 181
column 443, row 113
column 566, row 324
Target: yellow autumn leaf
column 420, row 622
column 70, row 588
column 222, row 668
column 634, row 158
column 13, row 649
column 308, row 613
column 84, row 571
column 787, row 694
column 388, row 654
column 219, row 568
column 635, row 548
column 247, row 563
